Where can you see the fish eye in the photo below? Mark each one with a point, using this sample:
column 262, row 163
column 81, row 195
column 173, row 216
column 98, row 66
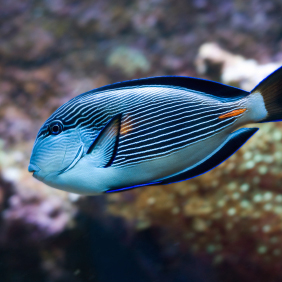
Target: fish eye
column 55, row 128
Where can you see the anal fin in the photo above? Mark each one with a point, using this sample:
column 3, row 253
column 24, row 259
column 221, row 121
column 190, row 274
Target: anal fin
column 233, row 143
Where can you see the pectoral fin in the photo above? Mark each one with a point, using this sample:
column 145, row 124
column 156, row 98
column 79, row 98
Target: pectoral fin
column 104, row 147
column 233, row 143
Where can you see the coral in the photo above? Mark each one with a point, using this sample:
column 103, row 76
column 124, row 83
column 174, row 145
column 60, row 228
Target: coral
column 234, row 69
column 128, row 60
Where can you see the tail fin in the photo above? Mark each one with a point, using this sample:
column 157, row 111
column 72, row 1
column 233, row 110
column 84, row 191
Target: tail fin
column 271, row 90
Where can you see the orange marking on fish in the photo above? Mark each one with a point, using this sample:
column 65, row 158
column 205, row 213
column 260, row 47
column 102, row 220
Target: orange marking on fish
column 126, row 126
column 232, row 114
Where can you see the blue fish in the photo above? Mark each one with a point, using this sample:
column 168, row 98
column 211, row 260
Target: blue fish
column 150, row 131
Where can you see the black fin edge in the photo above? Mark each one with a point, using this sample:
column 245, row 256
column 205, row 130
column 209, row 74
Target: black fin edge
column 191, row 83
column 110, row 162
column 131, row 187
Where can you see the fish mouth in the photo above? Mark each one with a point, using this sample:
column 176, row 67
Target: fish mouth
column 33, row 168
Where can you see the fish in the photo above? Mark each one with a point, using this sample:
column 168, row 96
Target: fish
column 149, row 131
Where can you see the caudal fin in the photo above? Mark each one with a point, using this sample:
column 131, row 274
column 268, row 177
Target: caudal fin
column 271, row 90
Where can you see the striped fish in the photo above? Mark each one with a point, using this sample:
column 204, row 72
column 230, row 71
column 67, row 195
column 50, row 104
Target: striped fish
column 150, row 131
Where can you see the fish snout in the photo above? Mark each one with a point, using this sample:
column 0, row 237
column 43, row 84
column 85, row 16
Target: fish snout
column 33, row 168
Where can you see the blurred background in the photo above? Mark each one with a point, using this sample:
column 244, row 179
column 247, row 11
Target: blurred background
column 225, row 225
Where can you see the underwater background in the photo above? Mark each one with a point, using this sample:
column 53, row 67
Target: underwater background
column 225, row 225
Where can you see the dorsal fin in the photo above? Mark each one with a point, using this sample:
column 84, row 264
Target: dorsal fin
column 195, row 84
column 104, row 147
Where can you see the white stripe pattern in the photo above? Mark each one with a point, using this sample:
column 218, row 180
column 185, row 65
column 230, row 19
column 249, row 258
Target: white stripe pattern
column 159, row 120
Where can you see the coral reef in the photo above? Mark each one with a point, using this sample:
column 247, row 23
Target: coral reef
column 231, row 214
column 222, row 226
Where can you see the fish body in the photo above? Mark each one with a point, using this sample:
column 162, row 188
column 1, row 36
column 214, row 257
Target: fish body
column 150, row 131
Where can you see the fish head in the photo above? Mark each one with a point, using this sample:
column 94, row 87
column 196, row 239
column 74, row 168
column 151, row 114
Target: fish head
column 56, row 147
column 73, row 142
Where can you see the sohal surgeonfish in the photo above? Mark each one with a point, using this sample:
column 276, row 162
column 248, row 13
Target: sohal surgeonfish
column 149, row 131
